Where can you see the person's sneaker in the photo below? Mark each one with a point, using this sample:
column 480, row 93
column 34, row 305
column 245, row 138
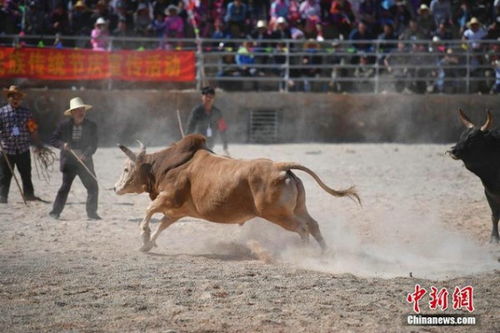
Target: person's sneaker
column 30, row 198
column 55, row 216
column 94, row 217
column 3, row 200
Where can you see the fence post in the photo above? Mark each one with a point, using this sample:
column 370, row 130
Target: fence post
column 110, row 80
column 199, row 64
column 377, row 72
column 467, row 76
column 287, row 65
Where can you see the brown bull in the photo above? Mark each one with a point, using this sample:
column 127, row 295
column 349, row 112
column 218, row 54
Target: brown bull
column 187, row 179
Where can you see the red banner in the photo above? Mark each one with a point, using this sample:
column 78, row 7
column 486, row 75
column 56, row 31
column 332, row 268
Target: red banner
column 67, row 64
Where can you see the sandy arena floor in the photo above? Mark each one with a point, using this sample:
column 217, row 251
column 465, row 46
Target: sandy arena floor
column 424, row 220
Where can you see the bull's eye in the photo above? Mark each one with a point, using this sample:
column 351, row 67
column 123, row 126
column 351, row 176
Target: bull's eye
column 126, row 170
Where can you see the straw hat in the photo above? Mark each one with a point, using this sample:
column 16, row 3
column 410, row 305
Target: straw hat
column 171, row 8
column 261, row 24
column 472, row 21
column 280, row 19
column 13, row 90
column 100, row 20
column 80, row 4
column 76, row 103
column 423, row 7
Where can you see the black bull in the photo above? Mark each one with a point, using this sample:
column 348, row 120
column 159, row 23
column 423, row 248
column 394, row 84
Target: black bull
column 479, row 149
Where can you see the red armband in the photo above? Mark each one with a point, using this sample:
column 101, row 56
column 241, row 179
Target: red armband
column 32, row 125
column 222, row 125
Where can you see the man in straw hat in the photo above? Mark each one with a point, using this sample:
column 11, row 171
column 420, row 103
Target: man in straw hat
column 76, row 137
column 18, row 129
column 475, row 32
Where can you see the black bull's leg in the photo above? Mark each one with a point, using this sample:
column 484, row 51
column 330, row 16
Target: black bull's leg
column 494, row 202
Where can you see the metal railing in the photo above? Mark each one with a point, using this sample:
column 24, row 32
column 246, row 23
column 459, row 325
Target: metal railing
column 374, row 66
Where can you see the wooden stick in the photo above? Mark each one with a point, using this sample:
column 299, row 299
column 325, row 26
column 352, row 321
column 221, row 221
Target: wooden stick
column 180, row 123
column 83, row 164
column 13, row 174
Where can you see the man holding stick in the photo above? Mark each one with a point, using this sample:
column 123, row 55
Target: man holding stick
column 76, row 137
column 18, row 129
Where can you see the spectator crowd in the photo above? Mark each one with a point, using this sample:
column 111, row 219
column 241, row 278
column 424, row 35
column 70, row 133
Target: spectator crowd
column 267, row 22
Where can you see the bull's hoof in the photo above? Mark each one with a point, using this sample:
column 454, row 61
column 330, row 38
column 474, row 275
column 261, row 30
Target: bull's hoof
column 494, row 240
column 147, row 247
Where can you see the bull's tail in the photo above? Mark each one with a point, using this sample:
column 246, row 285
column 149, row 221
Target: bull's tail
column 350, row 192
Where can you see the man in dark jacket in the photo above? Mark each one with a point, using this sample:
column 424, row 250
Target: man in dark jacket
column 207, row 120
column 77, row 139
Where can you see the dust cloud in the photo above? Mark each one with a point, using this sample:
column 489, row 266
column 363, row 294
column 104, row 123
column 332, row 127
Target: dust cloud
column 399, row 245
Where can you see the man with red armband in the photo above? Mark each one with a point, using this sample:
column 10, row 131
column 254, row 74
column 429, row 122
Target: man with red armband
column 207, row 120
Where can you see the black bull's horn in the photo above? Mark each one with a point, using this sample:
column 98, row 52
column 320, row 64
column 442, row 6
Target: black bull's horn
column 467, row 123
column 130, row 154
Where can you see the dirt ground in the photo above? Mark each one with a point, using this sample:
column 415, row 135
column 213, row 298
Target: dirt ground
column 424, row 220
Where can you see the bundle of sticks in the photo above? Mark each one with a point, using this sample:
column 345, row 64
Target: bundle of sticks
column 44, row 161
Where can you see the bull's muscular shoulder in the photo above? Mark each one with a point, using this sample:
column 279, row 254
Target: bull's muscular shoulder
column 179, row 153
column 191, row 142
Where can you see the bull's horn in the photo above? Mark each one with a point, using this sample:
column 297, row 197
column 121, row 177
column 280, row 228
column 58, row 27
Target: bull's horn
column 489, row 120
column 130, row 154
column 464, row 119
column 142, row 148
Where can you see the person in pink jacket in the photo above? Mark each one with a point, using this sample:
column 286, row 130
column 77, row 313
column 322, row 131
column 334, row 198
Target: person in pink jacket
column 100, row 35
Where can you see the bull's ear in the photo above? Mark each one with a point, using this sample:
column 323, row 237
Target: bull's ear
column 130, row 154
column 465, row 120
column 489, row 121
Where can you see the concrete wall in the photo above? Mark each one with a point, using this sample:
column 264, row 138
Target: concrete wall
column 124, row 116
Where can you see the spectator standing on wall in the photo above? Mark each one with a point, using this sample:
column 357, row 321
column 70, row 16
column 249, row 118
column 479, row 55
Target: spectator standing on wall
column 206, row 119
column 100, row 35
